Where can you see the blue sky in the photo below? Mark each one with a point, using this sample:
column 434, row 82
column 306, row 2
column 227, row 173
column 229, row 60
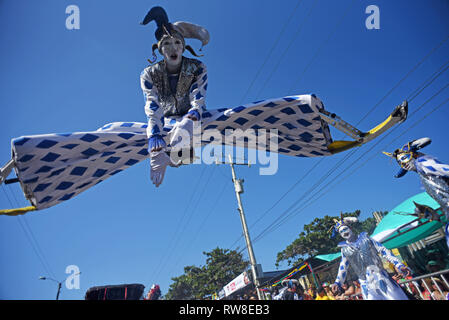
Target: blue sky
column 125, row 230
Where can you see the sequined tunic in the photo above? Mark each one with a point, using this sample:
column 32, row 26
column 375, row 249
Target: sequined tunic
column 361, row 254
column 162, row 101
column 434, row 176
column 363, row 257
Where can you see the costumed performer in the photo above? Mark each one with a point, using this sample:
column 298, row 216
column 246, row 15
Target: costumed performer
column 174, row 90
column 362, row 253
column 433, row 173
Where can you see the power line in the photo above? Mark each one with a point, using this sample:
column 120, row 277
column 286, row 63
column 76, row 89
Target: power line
column 317, row 52
column 286, row 50
column 271, row 51
column 434, row 49
column 31, row 238
column 193, row 211
column 162, row 262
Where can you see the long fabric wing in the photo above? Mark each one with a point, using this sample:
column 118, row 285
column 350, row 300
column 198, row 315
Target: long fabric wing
column 56, row 167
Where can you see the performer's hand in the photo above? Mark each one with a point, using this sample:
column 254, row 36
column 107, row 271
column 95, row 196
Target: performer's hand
column 156, row 143
column 191, row 117
column 181, row 134
column 159, row 162
column 334, row 288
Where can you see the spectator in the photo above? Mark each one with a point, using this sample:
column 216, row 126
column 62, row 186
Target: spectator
column 345, row 293
column 299, row 294
column 397, row 277
column 328, row 291
column 290, row 292
column 310, row 294
column 350, row 290
column 436, row 294
column 427, row 287
column 409, row 290
column 358, row 289
column 321, row 294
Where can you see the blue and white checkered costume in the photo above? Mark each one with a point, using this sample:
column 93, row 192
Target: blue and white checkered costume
column 434, row 176
column 54, row 168
column 363, row 257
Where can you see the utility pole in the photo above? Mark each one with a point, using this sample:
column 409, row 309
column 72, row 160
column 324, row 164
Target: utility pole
column 238, row 186
column 59, row 290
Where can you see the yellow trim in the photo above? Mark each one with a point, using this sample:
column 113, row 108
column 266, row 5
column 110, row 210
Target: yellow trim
column 17, row 211
column 380, row 126
column 341, row 145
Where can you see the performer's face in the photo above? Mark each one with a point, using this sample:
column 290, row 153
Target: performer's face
column 171, row 49
column 406, row 161
column 345, row 232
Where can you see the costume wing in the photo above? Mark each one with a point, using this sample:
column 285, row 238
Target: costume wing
column 53, row 168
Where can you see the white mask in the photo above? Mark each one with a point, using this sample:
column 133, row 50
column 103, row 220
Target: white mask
column 406, row 161
column 172, row 49
column 345, row 232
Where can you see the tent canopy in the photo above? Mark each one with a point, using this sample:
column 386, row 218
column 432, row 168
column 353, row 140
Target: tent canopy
column 399, row 228
column 329, row 257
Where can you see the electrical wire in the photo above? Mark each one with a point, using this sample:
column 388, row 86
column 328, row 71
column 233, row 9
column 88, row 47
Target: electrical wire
column 31, row 238
column 270, row 52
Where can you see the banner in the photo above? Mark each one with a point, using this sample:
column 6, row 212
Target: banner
column 238, row 283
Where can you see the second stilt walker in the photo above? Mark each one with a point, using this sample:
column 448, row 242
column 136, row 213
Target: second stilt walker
column 361, row 252
column 434, row 174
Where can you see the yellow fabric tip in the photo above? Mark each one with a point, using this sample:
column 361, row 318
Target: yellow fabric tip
column 17, row 211
column 341, row 145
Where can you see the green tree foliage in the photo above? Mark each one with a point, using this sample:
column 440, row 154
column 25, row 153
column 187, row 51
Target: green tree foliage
column 222, row 265
column 315, row 239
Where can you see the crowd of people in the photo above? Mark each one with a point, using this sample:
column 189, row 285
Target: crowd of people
column 350, row 291
column 426, row 289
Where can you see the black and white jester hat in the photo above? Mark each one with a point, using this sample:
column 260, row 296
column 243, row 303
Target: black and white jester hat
column 179, row 29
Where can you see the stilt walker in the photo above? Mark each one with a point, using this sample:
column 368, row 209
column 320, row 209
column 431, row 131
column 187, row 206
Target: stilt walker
column 433, row 173
column 362, row 254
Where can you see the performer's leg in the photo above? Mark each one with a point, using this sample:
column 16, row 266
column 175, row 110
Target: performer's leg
column 394, row 290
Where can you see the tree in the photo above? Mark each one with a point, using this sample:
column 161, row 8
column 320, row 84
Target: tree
column 315, row 239
column 222, row 265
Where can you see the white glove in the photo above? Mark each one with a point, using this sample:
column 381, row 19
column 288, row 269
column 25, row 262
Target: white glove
column 181, row 134
column 159, row 161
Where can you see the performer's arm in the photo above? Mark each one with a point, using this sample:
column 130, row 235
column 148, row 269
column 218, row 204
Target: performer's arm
column 384, row 252
column 197, row 94
column 154, row 113
column 342, row 272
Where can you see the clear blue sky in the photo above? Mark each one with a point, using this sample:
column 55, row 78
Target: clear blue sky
column 127, row 231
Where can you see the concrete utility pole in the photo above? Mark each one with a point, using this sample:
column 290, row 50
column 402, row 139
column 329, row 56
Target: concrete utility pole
column 238, row 185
